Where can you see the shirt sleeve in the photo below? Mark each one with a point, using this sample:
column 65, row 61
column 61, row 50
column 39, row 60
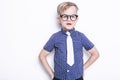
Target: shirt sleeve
column 87, row 44
column 50, row 44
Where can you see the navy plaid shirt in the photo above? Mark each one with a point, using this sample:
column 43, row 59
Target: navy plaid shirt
column 58, row 42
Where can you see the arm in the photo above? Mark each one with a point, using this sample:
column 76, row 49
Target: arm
column 94, row 56
column 42, row 58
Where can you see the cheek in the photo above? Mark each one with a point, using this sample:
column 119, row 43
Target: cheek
column 75, row 22
column 61, row 22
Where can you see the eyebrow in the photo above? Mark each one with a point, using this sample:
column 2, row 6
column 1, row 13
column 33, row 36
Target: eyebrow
column 67, row 14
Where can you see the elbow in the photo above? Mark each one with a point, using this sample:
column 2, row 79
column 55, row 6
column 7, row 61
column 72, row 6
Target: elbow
column 40, row 57
column 97, row 55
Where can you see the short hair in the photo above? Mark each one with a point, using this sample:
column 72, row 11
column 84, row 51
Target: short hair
column 65, row 5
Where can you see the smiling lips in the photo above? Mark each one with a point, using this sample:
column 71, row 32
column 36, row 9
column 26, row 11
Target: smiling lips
column 68, row 23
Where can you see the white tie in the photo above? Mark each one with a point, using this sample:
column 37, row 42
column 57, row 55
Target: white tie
column 70, row 51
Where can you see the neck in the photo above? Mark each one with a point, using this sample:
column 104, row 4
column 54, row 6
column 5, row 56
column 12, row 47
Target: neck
column 67, row 29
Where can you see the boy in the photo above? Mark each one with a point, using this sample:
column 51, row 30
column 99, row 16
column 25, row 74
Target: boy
column 67, row 17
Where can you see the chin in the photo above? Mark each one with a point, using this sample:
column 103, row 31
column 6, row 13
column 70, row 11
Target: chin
column 69, row 28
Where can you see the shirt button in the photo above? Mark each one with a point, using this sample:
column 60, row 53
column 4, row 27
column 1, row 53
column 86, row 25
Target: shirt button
column 68, row 70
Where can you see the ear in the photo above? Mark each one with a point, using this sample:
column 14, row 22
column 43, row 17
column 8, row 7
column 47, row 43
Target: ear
column 77, row 19
column 58, row 20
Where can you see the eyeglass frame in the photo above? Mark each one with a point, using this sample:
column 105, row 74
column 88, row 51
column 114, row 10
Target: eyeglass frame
column 70, row 16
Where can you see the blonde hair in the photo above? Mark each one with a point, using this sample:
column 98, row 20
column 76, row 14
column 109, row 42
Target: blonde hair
column 65, row 5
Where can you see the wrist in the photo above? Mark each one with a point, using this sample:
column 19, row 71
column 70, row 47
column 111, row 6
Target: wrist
column 52, row 75
column 84, row 67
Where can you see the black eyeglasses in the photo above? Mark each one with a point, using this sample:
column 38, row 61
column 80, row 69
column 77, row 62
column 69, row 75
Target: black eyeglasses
column 72, row 17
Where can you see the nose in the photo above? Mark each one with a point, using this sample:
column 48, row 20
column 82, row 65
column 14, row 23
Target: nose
column 69, row 18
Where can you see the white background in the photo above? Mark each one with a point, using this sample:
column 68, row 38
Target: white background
column 26, row 25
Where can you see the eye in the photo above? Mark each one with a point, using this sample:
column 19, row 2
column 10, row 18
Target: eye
column 64, row 16
column 73, row 16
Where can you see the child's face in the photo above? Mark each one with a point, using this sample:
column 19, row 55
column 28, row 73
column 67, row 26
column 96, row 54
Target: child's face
column 68, row 18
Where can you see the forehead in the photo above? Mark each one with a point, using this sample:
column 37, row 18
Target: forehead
column 70, row 10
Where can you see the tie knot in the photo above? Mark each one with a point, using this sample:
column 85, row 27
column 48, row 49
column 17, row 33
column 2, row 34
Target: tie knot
column 68, row 33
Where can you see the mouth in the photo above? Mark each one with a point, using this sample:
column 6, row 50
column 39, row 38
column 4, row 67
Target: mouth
column 68, row 24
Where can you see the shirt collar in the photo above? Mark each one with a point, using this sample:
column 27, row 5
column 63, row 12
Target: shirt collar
column 71, row 31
